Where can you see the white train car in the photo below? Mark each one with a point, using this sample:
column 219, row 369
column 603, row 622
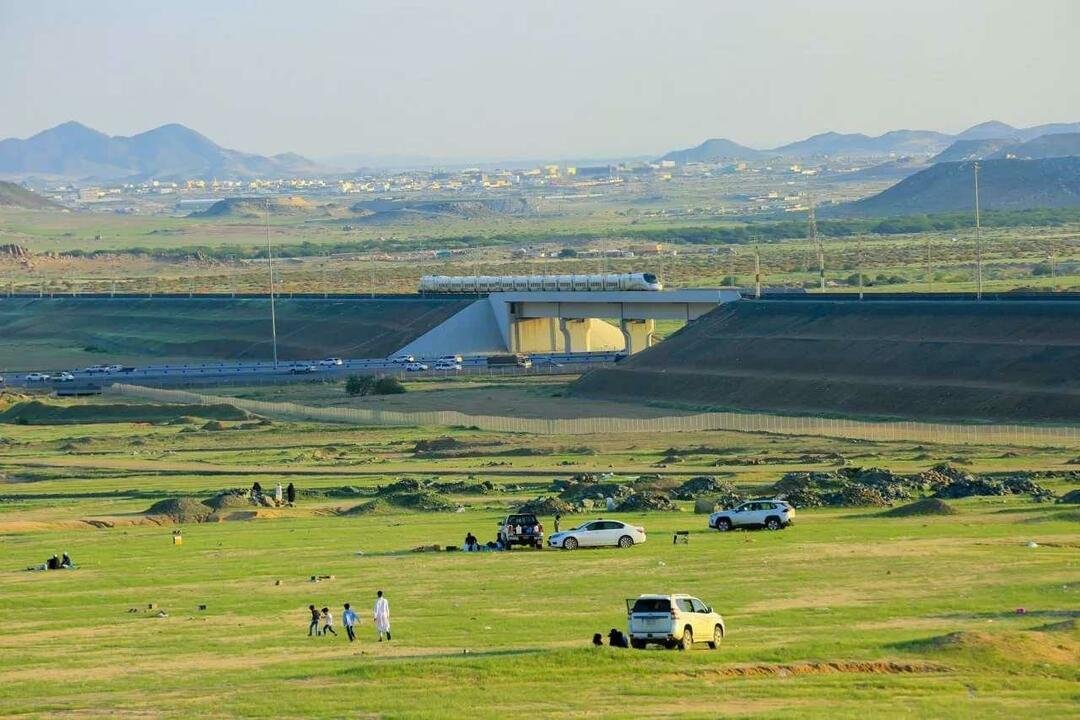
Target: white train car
column 542, row 283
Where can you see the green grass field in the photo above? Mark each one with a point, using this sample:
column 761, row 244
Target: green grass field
column 845, row 614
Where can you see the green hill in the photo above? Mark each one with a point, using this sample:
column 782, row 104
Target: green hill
column 16, row 196
column 256, row 207
column 1003, row 185
column 1046, row 146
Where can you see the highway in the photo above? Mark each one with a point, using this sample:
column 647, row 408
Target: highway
column 237, row 373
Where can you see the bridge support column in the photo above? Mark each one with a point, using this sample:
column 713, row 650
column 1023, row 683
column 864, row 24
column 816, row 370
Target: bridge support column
column 638, row 334
column 577, row 334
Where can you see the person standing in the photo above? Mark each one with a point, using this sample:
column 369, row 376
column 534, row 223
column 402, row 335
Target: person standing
column 328, row 622
column 558, row 519
column 277, row 493
column 382, row 616
column 290, row 494
column 313, row 629
column 349, row 619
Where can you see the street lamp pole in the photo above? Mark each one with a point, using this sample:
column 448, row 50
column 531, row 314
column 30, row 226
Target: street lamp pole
column 270, row 267
column 978, row 241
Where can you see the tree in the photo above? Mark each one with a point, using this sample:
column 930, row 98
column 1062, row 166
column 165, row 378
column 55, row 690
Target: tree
column 388, row 386
column 568, row 253
column 360, row 385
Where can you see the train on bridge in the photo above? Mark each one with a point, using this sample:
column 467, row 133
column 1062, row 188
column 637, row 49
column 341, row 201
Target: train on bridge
column 539, row 283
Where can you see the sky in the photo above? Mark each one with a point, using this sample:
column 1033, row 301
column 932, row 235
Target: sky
column 504, row 79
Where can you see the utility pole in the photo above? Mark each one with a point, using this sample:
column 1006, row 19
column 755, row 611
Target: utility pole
column 757, row 274
column 731, row 268
column 978, row 240
column 860, row 267
column 812, row 219
column 270, row 267
column 929, row 268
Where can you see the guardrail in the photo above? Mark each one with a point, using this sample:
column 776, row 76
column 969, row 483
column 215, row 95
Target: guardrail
column 1023, row 435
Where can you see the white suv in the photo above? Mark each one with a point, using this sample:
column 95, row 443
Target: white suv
column 769, row 514
column 673, row 621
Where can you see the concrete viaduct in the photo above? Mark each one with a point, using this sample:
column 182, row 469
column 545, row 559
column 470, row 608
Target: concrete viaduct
column 564, row 321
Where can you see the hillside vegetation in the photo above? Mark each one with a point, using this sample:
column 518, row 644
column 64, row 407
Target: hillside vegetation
column 16, row 196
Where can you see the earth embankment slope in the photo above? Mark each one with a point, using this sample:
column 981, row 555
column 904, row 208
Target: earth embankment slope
column 62, row 332
column 955, row 360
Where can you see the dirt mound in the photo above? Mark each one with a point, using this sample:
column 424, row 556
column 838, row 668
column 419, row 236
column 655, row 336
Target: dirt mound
column 927, row 506
column 468, row 487
column 1072, row 497
column 229, row 499
column 214, row 425
column 438, row 445
column 1026, row 647
column 181, row 510
column 647, row 502
column 424, row 501
column 578, row 493
column 815, row 489
column 36, row 412
column 707, row 486
column 377, row 506
column 970, row 486
column 547, row 505
column 911, row 359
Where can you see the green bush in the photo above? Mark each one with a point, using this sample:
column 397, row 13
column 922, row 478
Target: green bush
column 388, row 386
column 360, row 385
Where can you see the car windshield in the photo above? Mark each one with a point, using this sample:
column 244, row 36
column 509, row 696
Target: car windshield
column 652, row 605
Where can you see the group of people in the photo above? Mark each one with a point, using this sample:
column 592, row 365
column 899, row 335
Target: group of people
column 55, row 563
column 281, row 495
column 616, row 639
column 349, row 618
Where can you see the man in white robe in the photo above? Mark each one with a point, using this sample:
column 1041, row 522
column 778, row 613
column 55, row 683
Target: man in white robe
column 382, row 616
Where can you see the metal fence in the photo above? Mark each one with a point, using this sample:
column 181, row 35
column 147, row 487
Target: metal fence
column 1025, row 435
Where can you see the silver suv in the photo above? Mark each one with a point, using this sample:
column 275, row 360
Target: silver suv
column 769, row 514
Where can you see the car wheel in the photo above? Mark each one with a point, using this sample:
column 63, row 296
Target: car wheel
column 570, row 544
column 626, row 541
column 723, row 524
column 637, row 644
column 772, row 524
column 687, row 642
column 717, row 637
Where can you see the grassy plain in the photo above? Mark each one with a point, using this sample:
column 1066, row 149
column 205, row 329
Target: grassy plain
column 846, row 614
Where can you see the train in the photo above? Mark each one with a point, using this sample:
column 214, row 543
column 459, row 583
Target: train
column 544, row 283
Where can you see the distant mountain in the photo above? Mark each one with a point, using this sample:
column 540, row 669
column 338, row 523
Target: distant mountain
column 1045, row 146
column 889, row 170
column 713, row 150
column 16, row 196
column 1003, row 185
column 169, row 152
column 906, row 142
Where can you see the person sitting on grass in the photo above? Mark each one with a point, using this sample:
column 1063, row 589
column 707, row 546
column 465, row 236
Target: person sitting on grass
column 617, row 639
column 598, row 640
column 328, row 622
column 66, row 563
column 52, row 563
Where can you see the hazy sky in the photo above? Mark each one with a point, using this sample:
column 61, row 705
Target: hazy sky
column 530, row 79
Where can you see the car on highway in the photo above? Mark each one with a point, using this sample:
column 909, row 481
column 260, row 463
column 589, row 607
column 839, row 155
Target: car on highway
column 115, row 368
column 768, row 514
column 36, row 377
column 450, row 359
column 415, row 367
column 599, row 533
column 303, row 369
column 675, row 620
column 63, row 377
column 447, row 365
column 402, row 359
column 331, row 362
column 96, row 369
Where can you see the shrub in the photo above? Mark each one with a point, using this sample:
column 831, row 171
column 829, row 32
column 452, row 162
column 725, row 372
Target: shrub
column 360, row 385
column 388, row 386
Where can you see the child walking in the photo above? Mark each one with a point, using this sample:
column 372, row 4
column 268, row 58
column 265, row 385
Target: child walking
column 328, row 622
column 349, row 620
column 313, row 628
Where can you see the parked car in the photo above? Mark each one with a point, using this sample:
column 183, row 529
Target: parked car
column 401, row 359
column 415, row 367
column 598, row 533
column 331, row 362
column 447, row 365
column 675, row 620
column 36, row 377
column 769, row 514
column 303, row 369
column 63, row 377
column 521, row 529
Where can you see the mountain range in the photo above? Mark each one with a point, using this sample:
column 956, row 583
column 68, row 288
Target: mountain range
column 896, row 142
column 169, row 152
column 1004, row 184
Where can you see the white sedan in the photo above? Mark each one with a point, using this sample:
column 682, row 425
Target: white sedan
column 37, row 377
column 415, row 367
column 598, row 533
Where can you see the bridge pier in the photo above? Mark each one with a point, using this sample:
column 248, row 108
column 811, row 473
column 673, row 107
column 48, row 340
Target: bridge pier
column 638, row 334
